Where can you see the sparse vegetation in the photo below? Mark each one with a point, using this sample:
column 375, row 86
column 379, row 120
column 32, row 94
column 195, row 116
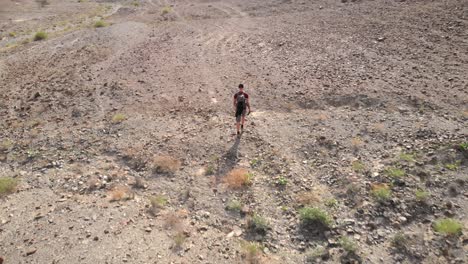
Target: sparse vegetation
column 7, row 185
column 165, row 164
column 179, row 239
column 348, row 244
column 40, row 35
column 166, row 10
column 12, row 34
column 311, row 216
column 394, row 172
column 31, row 153
column 356, row 142
column 238, row 178
column 453, row 166
column 118, row 118
column 400, row 241
column 158, row 202
column 252, row 252
column 313, row 255
column 448, row 226
column 175, row 220
column 421, row 195
column 258, row 224
column 254, row 162
column 234, row 206
column 332, row 203
column 381, row 192
column 100, row 23
column 463, row 146
column 210, row 170
column 407, row 157
column 6, row 144
column 282, row 181
column 120, row 193
column 358, row 166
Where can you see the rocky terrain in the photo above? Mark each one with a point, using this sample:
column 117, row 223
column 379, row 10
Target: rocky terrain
column 118, row 145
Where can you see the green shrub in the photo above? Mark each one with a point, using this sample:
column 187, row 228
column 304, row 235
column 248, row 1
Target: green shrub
column 464, row 146
column 358, row 166
column 210, row 170
column 118, row 118
column 310, row 216
column 158, row 201
column 395, row 172
column 332, row 203
column 253, row 162
column 12, row 34
column 448, row 226
column 348, row 244
column 407, row 157
column 421, row 195
column 400, row 241
column 7, row 185
column 100, row 23
column 258, row 224
column 40, row 36
column 179, row 239
column 313, row 254
column 234, row 206
column 166, row 10
column 252, row 251
column 453, row 166
column 282, row 181
column 381, row 192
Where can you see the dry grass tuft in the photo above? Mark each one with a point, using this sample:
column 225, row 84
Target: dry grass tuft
column 119, row 193
column 7, row 185
column 313, row 197
column 175, row 220
column 252, row 252
column 321, row 117
column 165, row 164
column 238, row 178
column 357, row 142
column 378, row 127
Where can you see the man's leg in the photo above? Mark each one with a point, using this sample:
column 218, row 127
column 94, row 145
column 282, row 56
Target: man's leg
column 238, row 119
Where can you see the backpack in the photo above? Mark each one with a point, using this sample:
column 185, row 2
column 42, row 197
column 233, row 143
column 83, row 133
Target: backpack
column 240, row 100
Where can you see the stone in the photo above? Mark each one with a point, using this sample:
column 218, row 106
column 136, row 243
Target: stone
column 31, row 251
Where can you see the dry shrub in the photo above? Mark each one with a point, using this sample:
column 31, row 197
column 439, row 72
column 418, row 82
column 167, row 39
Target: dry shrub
column 320, row 117
column 165, row 164
column 135, row 157
column 378, row 127
column 238, row 178
column 465, row 114
column 175, row 220
column 119, row 193
column 357, row 142
column 93, row 183
column 252, row 252
column 313, row 197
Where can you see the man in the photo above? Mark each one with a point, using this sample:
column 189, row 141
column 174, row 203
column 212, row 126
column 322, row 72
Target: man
column 241, row 103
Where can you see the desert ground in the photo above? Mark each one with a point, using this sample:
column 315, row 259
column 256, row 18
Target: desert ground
column 118, row 144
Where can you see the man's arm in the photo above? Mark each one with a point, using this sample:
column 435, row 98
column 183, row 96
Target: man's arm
column 248, row 103
column 235, row 102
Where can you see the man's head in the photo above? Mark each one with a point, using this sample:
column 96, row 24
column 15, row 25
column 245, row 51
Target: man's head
column 241, row 87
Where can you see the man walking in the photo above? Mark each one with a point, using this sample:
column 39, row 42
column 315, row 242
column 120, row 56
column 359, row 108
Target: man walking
column 241, row 103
